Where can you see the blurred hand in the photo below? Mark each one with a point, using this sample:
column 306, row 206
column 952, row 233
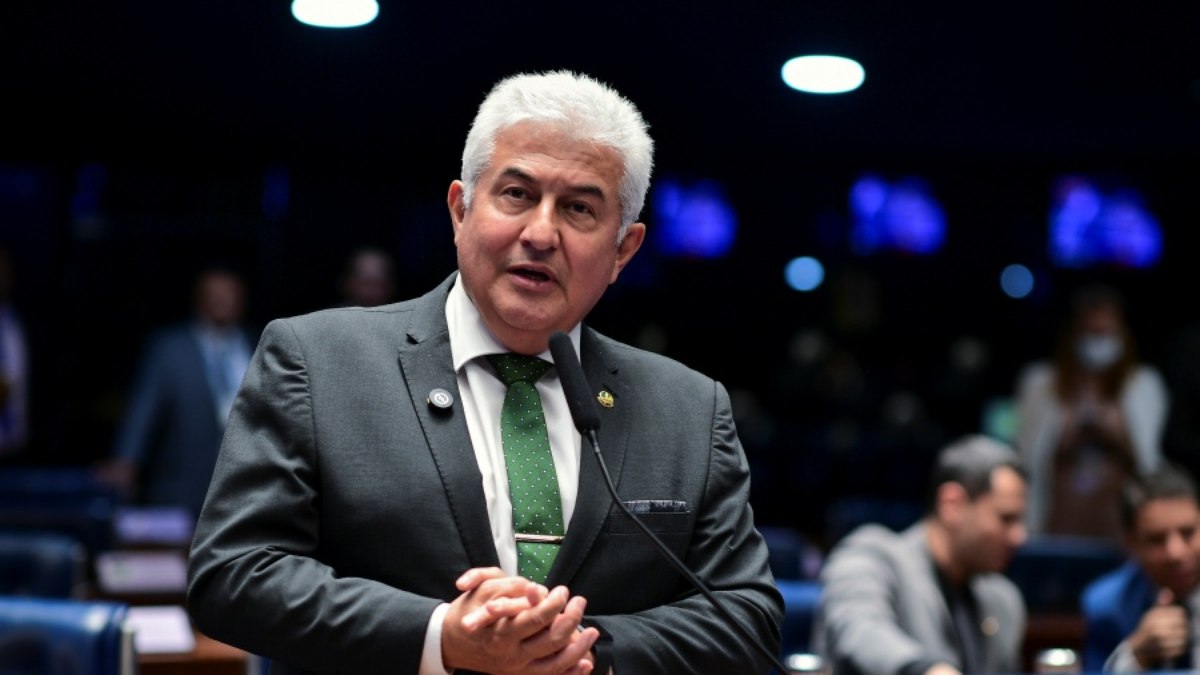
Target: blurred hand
column 510, row 625
column 1162, row 634
column 942, row 669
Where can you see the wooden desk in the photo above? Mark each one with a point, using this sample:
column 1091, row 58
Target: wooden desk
column 1049, row 631
column 208, row 658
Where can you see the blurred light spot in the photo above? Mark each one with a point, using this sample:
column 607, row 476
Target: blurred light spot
column 1016, row 281
column 901, row 216
column 694, row 221
column 335, row 13
column 1090, row 226
column 804, row 273
column 822, row 74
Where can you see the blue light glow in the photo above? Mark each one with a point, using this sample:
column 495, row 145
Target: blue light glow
column 804, row 274
column 1016, row 281
column 1090, row 226
column 694, row 221
column 902, row 217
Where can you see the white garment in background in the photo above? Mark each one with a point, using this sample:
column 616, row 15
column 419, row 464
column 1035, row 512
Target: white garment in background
column 1143, row 403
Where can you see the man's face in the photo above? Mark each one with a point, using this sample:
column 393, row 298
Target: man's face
column 220, row 298
column 1165, row 542
column 993, row 525
column 538, row 246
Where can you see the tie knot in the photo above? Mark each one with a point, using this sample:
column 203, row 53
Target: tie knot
column 512, row 368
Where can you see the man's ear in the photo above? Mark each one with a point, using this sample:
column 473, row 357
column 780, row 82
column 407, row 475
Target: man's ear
column 634, row 236
column 458, row 207
column 952, row 501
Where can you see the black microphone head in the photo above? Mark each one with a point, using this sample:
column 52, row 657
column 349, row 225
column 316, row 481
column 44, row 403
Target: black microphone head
column 579, row 397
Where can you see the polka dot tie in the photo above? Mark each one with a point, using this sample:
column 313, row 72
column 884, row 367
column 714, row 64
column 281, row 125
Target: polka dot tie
column 532, row 481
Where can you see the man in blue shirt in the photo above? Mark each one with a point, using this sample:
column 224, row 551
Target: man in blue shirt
column 1139, row 616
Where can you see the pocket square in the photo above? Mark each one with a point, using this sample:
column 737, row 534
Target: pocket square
column 657, row 505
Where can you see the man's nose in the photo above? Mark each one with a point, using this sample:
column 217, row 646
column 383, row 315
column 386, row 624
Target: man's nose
column 541, row 230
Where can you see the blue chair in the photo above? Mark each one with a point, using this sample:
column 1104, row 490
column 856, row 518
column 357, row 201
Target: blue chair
column 43, row 636
column 66, row 500
column 1052, row 570
column 801, row 599
column 790, row 554
column 847, row 513
column 42, row 564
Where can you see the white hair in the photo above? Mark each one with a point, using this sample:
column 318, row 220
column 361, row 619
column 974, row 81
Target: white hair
column 577, row 104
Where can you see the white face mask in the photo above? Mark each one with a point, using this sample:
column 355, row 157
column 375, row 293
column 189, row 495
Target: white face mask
column 1097, row 352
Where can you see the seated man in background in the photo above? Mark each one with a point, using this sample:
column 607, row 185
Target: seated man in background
column 931, row 599
column 1138, row 616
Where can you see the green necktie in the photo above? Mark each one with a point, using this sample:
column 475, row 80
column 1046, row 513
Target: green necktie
column 532, row 481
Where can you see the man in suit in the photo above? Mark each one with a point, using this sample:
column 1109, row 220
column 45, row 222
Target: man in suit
column 931, row 599
column 1139, row 616
column 167, row 442
column 360, row 517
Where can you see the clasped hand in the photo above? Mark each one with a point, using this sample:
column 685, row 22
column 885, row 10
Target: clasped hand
column 502, row 625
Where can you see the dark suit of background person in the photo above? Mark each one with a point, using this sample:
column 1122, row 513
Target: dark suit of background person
column 885, row 603
column 1137, row 616
column 346, row 503
column 168, row 439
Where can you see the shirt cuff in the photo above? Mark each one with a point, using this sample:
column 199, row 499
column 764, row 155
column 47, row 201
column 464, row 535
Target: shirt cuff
column 1122, row 660
column 431, row 654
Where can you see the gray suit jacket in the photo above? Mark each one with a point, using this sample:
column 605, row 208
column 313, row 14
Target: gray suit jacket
column 882, row 608
column 344, row 505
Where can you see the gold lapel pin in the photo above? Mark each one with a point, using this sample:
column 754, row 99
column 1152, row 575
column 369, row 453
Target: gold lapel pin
column 605, row 399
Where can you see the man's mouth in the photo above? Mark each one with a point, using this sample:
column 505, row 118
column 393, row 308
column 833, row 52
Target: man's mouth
column 532, row 275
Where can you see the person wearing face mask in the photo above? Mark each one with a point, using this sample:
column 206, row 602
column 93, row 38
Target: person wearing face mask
column 1088, row 419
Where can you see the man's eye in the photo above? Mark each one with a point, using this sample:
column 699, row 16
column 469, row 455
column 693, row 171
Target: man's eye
column 516, row 192
column 581, row 207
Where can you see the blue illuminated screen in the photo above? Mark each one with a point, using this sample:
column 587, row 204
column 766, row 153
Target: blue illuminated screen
column 1096, row 224
column 692, row 220
column 899, row 216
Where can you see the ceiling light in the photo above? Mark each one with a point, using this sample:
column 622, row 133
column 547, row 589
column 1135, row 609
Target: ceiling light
column 822, row 74
column 335, row 13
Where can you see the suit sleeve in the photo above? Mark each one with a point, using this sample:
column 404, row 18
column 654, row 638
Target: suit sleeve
column 255, row 580
column 858, row 619
column 729, row 555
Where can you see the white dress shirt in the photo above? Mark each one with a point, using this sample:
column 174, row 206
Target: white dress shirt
column 482, row 396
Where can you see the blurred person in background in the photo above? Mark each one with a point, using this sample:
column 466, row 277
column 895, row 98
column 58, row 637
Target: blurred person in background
column 931, row 599
column 14, row 368
column 1088, row 419
column 369, row 279
column 188, row 375
column 1140, row 616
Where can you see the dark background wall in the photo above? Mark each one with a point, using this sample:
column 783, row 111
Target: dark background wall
column 147, row 139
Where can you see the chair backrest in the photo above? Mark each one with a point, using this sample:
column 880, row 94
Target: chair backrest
column 65, row 637
column 801, row 600
column 845, row 514
column 790, row 554
column 1052, row 570
column 42, row 564
column 59, row 499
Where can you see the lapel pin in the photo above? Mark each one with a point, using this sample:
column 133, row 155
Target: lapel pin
column 440, row 398
column 605, row 399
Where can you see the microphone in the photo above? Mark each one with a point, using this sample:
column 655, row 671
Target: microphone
column 587, row 420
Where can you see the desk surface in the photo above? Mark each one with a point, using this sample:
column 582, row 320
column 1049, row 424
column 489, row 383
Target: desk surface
column 208, row 658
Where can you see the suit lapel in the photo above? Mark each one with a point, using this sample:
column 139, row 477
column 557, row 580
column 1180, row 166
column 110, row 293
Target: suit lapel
column 426, row 364
column 593, row 502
